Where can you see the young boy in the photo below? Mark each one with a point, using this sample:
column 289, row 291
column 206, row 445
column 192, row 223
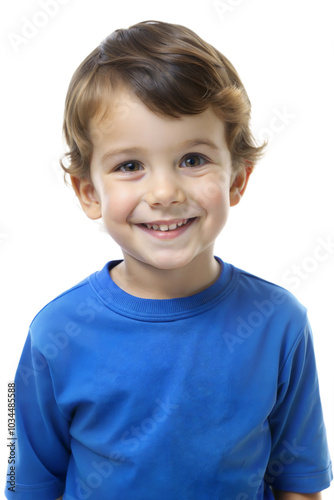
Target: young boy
column 169, row 375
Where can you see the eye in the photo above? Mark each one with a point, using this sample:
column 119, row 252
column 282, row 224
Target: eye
column 193, row 161
column 131, row 166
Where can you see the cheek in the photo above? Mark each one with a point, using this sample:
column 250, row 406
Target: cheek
column 117, row 204
column 219, row 210
column 213, row 195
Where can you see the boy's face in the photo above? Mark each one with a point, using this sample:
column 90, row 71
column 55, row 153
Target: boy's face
column 162, row 186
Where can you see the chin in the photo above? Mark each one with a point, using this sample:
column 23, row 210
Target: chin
column 168, row 263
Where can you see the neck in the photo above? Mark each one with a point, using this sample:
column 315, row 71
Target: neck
column 148, row 282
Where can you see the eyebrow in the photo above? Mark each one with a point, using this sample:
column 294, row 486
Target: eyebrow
column 201, row 141
column 125, row 151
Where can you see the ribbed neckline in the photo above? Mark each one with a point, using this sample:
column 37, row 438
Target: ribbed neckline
column 161, row 309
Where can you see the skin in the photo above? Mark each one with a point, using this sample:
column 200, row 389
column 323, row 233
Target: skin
column 285, row 495
column 163, row 178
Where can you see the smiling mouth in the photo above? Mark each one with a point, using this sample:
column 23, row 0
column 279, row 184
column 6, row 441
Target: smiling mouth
column 168, row 227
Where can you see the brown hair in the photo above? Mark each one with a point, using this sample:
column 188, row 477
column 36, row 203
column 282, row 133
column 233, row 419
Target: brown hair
column 173, row 72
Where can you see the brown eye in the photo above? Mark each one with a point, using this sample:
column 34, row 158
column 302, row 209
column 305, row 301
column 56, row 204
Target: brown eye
column 131, row 166
column 193, row 161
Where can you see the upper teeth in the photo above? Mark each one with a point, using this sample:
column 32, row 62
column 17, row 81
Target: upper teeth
column 166, row 227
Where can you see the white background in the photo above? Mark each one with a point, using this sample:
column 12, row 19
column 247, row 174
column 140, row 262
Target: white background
column 283, row 51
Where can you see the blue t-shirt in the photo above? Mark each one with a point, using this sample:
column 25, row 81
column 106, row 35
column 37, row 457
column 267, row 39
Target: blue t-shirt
column 207, row 397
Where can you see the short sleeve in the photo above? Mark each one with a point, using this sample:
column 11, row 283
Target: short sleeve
column 42, row 432
column 299, row 460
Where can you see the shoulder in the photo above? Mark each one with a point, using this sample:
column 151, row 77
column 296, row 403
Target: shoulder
column 66, row 313
column 266, row 318
column 255, row 289
column 263, row 303
column 62, row 301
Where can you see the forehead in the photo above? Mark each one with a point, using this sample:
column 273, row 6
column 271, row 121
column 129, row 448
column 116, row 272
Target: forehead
column 113, row 105
column 123, row 116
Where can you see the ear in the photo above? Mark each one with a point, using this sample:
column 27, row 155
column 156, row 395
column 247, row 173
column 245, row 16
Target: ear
column 88, row 196
column 239, row 183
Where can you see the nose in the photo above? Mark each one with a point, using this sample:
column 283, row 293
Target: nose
column 164, row 190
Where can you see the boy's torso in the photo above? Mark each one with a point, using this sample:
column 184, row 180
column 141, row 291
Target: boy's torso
column 176, row 398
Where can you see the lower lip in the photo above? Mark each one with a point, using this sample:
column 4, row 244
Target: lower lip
column 167, row 235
